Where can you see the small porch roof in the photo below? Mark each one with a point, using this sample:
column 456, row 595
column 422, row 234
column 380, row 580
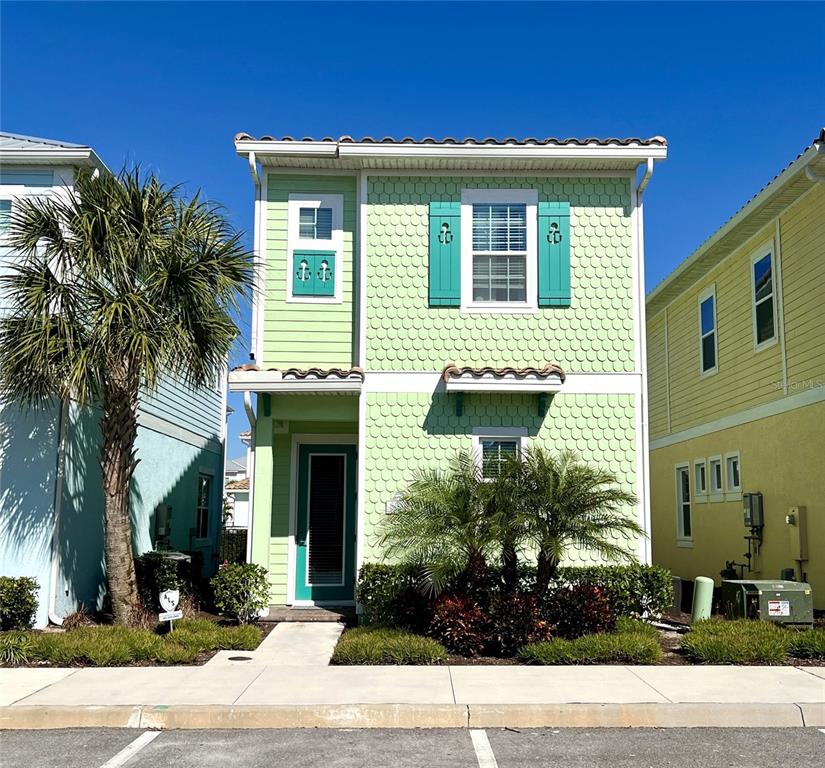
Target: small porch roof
column 251, row 378
column 487, row 379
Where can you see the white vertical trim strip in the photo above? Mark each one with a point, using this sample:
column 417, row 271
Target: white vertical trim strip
column 667, row 368
column 131, row 749
column 360, row 498
column 780, row 304
column 261, row 255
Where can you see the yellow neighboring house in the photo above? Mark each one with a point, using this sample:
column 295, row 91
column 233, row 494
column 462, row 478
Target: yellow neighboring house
column 736, row 361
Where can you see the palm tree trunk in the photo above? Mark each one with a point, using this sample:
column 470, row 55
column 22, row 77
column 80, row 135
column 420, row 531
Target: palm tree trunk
column 509, row 567
column 546, row 567
column 117, row 462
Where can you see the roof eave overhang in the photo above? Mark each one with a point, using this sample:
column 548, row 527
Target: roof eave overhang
column 485, row 384
column 273, row 381
column 83, row 156
column 760, row 211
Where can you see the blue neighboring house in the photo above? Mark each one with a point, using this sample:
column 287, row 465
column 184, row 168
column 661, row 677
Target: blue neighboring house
column 51, row 497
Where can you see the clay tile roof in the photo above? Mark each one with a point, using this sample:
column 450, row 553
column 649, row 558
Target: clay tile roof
column 238, row 485
column 658, row 141
column 245, row 435
column 551, row 369
column 309, row 373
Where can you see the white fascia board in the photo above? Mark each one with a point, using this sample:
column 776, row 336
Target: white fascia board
column 502, row 385
column 63, row 156
column 587, row 152
column 273, row 381
column 293, row 148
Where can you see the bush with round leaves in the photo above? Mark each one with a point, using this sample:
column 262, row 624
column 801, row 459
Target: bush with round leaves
column 18, row 602
column 241, row 591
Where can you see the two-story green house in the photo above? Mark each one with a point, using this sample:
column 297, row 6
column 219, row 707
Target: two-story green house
column 416, row 298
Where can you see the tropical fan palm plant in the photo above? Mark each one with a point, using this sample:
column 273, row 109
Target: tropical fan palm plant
column 561, row 502
column 441, row 525
column 116, row 285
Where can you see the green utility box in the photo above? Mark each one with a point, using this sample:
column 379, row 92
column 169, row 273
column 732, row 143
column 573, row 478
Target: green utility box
column 785, row 602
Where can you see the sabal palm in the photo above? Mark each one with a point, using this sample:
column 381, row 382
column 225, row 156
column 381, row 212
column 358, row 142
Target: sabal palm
column 114, row 286
column 561, row 502
column 442, row 526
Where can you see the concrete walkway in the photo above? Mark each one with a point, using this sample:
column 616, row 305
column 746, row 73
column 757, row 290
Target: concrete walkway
column 291, row 644
column 244, row 694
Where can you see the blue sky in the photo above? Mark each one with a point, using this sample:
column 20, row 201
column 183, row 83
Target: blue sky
column 736, row 88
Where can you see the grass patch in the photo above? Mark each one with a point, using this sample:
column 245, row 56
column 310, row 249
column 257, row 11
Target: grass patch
column 807, row 644
column 739, row 641
column 118, row 646
column 381, row 645
column 633, row 642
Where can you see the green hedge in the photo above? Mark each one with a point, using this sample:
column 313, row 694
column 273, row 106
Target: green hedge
column 381, row 645
column 389, row 594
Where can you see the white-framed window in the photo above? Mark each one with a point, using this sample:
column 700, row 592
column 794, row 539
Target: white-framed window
column 493, row 447
column 764, row 306
column 700, row 480
column 715, row 478
column 708, row 348
column 5, row 215
column 733, row 476
column 204, row 504
column 684, row 512
column 499, row 253
column 315, row 240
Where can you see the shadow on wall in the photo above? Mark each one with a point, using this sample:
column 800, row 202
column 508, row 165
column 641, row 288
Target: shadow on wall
column 168, row 473
column 483, row 409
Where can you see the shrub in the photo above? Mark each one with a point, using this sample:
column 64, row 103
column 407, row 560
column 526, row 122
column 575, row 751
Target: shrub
column 156, row 572
column 615, row 648
column 461, row 625
column 633, row 590
column 16, row 647
column 18, row 602
column 382, row 645
column 232, row 546
column 580, row 609
column 807, row 644
column 517, row 620
column 740, row 641
column 241, row 591
column 390, row 597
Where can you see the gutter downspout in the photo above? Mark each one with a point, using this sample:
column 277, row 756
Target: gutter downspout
column 645, row 458
column 63, row 430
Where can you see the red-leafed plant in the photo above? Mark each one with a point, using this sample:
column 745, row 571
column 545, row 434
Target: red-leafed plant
column 517, row 619
column 461, row 625
column 579, row 610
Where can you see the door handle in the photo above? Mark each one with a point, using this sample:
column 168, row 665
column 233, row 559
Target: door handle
column 301, row 538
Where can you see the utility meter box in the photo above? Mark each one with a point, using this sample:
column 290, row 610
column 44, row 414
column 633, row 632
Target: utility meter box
column 785, row 602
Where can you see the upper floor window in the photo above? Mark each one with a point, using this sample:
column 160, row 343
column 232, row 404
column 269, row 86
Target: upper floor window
column 5, row 215
column 707, row 330
column 315, row 259
column 315, row 223
column 764, row 317
column 499, row 258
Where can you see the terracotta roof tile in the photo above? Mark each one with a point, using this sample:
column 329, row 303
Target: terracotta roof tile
column 551, row 369
column 309, row 373
column 238, row 485
column 658, row 141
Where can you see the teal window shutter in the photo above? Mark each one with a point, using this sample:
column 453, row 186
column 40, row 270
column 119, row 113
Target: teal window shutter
column 554, row 255
column 313, row 273
column 445, row 254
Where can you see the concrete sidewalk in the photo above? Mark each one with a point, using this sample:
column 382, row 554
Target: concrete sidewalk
column 241, row 694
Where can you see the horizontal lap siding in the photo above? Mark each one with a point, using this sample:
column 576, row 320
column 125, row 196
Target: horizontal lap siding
column 803, row 268
column 306, row 335
column 657, row 376
column 746, row 378
column 198, row 410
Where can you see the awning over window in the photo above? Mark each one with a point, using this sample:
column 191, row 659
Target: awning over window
column 488, row 379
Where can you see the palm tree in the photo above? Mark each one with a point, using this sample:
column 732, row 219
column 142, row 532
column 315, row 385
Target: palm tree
column 442, row 527
column 116, row 285
column 561, row 502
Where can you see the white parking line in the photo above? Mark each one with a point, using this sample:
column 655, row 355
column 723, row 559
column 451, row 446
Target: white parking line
column 484, row 752
column 131, row 749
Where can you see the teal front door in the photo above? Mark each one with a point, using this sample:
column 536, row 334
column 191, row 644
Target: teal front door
column 325, row 524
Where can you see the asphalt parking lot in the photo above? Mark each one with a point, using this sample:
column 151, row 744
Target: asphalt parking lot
column 493, row 748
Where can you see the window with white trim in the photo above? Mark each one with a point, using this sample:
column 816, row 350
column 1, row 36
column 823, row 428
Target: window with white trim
column 204, row 498
column 5, row 215
column 764, row 316
column 493, row 447
column 707, row 331
column 715, row 472
column 684, row 517
column 700, row 479
column 733, row 475
column 315, row 239
column 499, row 252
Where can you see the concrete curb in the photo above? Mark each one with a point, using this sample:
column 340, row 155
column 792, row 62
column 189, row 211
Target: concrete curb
column 686, row 715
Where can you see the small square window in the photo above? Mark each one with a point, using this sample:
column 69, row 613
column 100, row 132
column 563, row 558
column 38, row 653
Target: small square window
column 495, row 454
column 315, row 223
